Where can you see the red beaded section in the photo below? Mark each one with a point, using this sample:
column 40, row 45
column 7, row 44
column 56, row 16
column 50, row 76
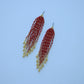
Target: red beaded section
column 46, row 45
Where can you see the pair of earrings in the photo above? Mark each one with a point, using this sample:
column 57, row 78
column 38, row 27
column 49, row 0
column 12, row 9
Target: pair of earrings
column 32, row 38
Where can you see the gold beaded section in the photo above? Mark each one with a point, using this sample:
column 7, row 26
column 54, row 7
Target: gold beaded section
column 25, row 53
column 39, row 67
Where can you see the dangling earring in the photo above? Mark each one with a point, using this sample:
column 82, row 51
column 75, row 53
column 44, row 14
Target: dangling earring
column 46, row 44
column 32, row 38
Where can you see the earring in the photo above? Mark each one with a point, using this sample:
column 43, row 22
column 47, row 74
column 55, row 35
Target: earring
column 32, row 38
column 46, row 44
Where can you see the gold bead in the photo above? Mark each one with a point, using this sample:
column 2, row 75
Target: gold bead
column 37, row 61
column 37, row 56
column 24, row 46
column 39, row 70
